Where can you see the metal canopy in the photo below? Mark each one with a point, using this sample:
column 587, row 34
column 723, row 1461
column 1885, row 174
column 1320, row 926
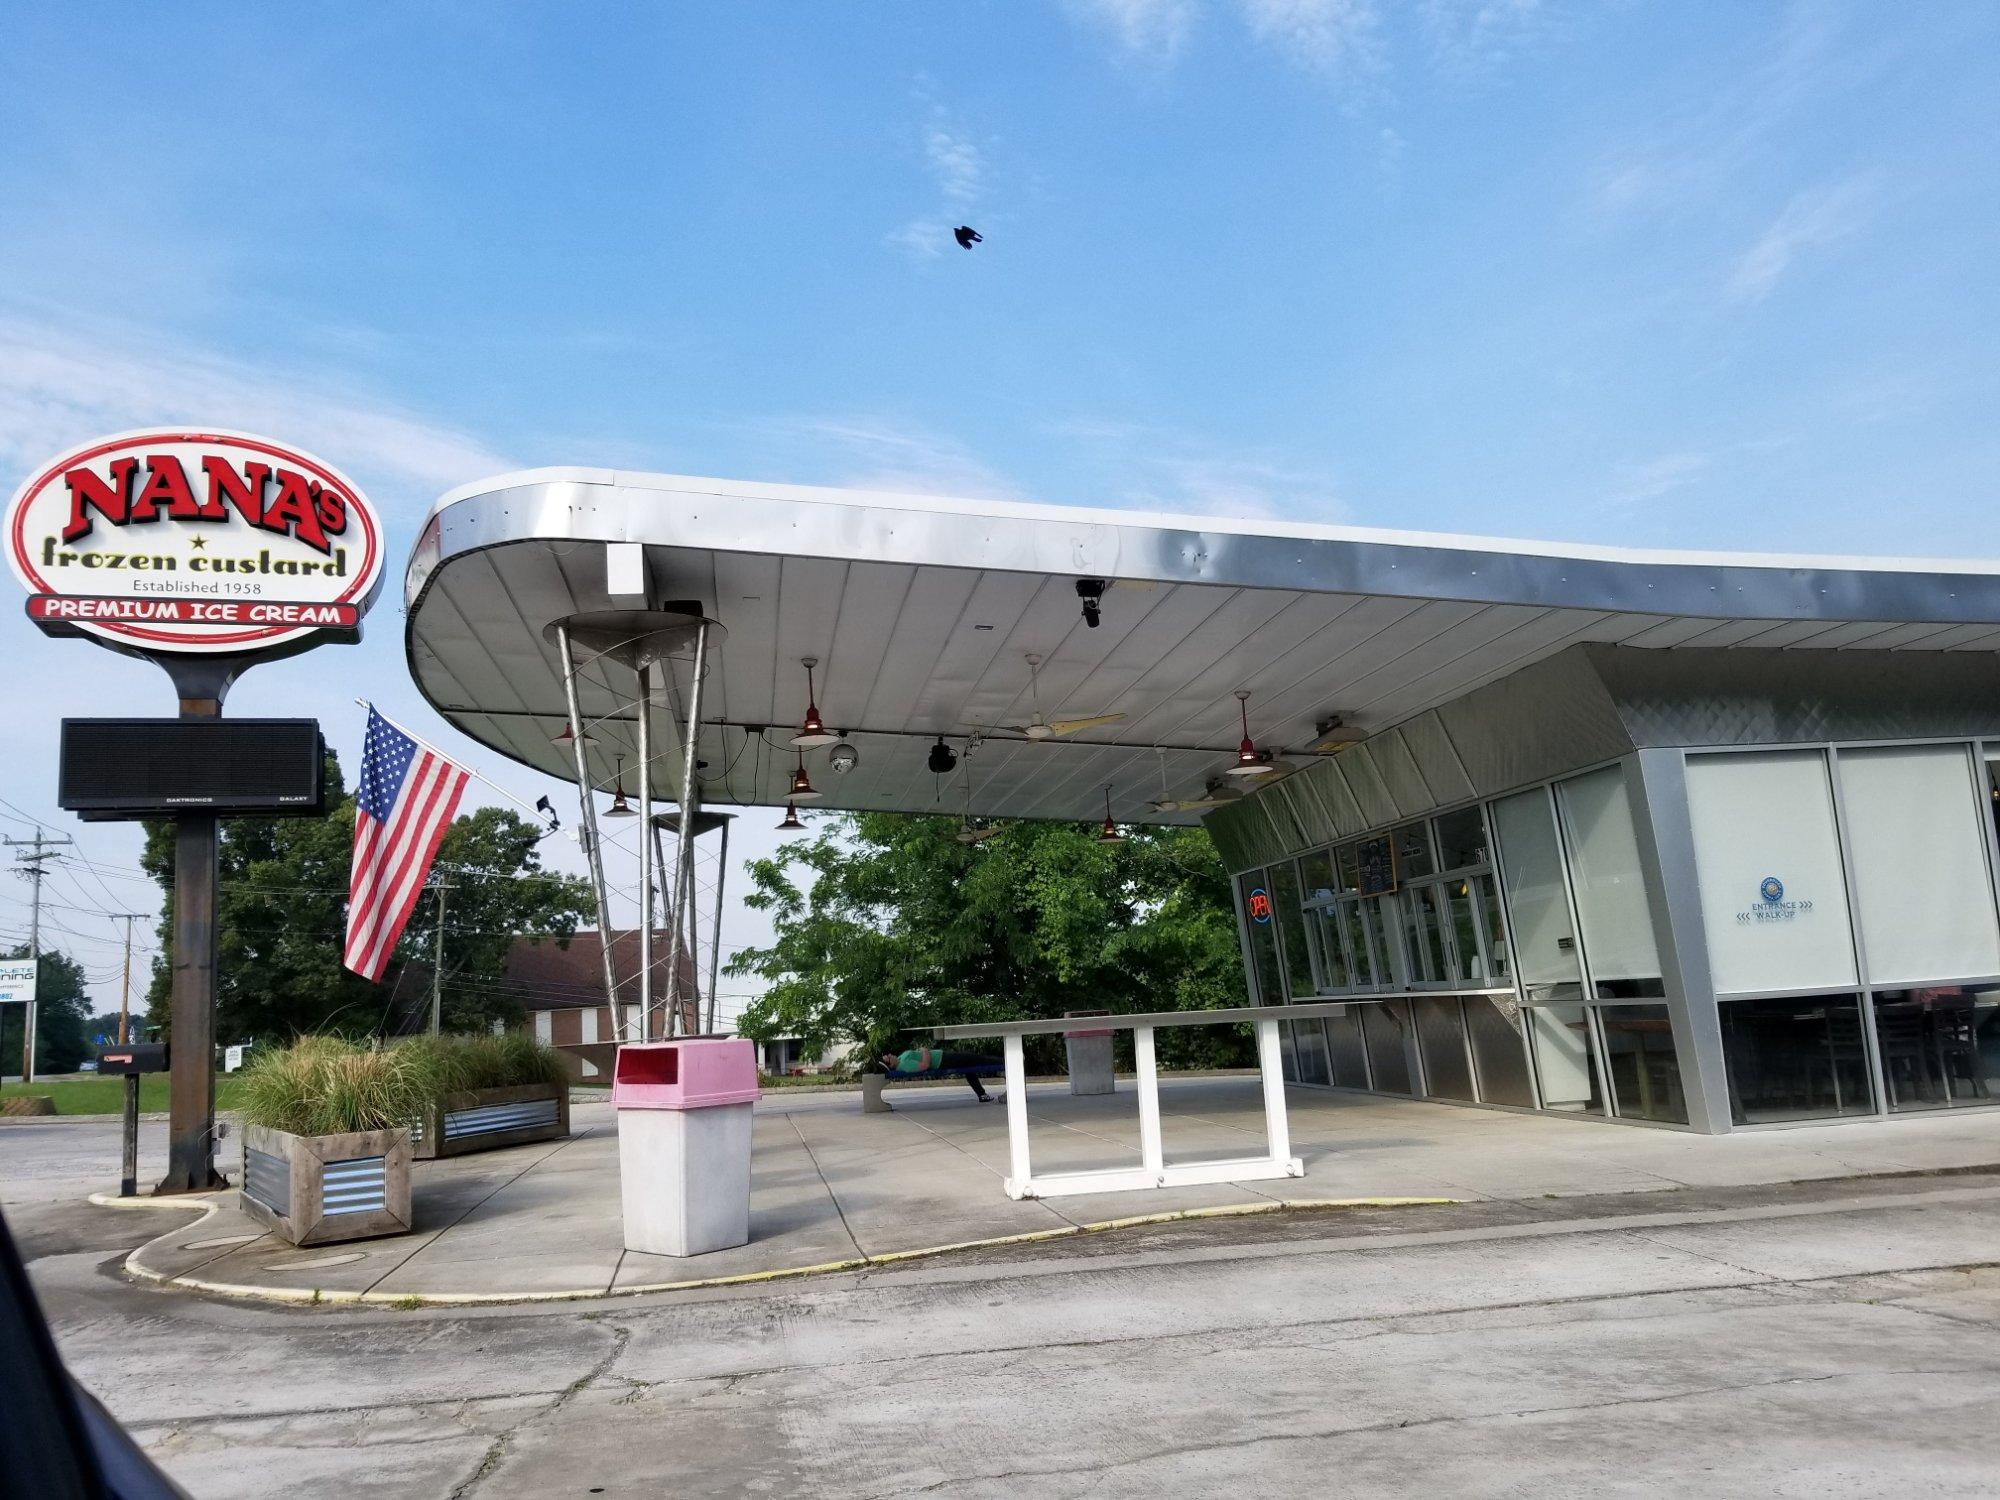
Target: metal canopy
column 921, row 613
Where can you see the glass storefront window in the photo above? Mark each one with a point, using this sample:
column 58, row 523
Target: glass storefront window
column 1384, row 1024
column 1441, row 1035
column 1461, row 839
column 1423, row 933
column 1291, row 925
column 1939, row 1046
column 1316, row 874
column 1347, row 1052
column 1544, row 941
column 1260, row 922
column 1413, row 852
column 1499, row 955
column 1609, row 886
column 1497, row 1029
column 1467, row 949
column 1639, row 1056
column 1796, row 1059
column 1332, row 947
column 1566, row 1058
column 1346, row 869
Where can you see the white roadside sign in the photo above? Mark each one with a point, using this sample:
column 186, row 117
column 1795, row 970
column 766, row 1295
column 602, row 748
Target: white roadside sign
column 17, row 981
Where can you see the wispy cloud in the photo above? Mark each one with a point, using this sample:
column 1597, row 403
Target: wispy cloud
column 63, row 382
column 956, row 163
column 958, row 171
column 1146, row 31
column 1332, row 37
column 1470, row 35
column 1812, row 220
column 1140, row 466
column 872, row 451
column 1642, row 483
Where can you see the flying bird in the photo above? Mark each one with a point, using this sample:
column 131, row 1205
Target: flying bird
column 966, row 236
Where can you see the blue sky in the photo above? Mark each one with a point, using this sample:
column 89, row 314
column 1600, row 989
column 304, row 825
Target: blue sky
column 1704, row 275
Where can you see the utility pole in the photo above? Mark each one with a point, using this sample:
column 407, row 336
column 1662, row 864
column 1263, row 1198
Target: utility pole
column 437, row 962
column 125, row 987
column 34, row 864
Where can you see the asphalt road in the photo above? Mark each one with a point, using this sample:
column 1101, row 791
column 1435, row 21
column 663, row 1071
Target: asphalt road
column 1834, row 1339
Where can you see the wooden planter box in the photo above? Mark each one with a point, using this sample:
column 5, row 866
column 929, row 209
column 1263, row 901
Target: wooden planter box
column 320, row 1189
column 487, row 1119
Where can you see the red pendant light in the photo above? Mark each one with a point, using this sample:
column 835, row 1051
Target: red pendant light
column 566, row 739
column 791, row 823
column 1249, row 760
column 1109, row 834
column 619, row 807
column 813, row 732
column 801, row 789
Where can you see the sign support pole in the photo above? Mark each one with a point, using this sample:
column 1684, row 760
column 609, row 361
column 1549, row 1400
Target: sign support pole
column 128, row 1181
column 201, row 683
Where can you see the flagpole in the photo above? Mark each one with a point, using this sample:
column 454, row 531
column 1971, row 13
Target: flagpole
column 404, row 728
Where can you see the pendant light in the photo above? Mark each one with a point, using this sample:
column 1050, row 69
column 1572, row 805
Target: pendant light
column 1109, row 834
column 801, row 789
column 619, row 807
column 566, row 739
column 791, row 823
column 813, row 732
column 1249, row 762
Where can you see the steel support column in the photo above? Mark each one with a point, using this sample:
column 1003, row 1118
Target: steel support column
column 690, row 803
column 646, row 871
column 592, row 854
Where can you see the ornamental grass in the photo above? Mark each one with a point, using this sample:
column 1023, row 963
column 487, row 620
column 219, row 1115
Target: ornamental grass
column 464, row 1064
column 323, row 1085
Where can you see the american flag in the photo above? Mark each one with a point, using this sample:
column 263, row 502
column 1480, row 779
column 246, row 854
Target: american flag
column 402, row 807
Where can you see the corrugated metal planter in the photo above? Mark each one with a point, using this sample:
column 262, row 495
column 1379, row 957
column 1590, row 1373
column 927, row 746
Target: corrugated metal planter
column 487, row 1119
column 319, row 1189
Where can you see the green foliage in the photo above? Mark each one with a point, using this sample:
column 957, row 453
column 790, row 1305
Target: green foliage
column 512, row 1060
column 62, row 1017
column 324, row 1085
column 886, row 922
column 282, row 913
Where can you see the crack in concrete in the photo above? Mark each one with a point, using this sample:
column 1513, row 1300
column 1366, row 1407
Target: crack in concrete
column 496, row 1453
column 1184, row 1450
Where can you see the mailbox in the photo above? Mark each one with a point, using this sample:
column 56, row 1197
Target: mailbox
column 135, row 1057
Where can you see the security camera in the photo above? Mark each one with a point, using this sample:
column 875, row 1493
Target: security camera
column 942, row 758
column 843, row 758
column 1091, row 592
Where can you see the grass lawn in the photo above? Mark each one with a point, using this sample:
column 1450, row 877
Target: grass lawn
column 106, row 1096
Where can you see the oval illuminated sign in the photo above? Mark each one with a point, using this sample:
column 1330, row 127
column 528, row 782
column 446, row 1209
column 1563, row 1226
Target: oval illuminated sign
column 171, row 542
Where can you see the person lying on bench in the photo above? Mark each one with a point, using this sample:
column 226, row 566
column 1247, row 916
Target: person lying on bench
column 920, row 1060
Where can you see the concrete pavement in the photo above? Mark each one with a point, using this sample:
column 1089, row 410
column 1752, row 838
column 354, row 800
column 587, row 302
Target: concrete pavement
column 832, row 1186
column 1835, row 1338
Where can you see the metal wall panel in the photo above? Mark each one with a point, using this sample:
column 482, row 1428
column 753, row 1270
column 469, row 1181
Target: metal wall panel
column 268, row 1179
column 1399, row 772
column 1364, row 779
column 357, row 1186
column 1436, row 758
column 1745, row 696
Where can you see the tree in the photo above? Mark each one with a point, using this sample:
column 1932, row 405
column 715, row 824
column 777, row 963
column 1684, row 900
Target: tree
column 282, row 916
column 885, row 922
column 62, row 1014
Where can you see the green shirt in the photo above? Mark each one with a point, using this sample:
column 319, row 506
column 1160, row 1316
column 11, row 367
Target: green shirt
column 919, row 1060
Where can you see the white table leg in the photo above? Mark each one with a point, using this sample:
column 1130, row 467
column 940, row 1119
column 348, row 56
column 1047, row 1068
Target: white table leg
column 1018, row 1180
column 1152, row 1152
column 1270, row 1065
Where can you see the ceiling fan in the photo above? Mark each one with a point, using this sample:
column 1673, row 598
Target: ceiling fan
column 1217, row 793
column 1039, row 728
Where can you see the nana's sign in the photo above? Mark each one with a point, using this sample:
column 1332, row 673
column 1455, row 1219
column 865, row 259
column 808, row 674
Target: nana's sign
column 176, row 542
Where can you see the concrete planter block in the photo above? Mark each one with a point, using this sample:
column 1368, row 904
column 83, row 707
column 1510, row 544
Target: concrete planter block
column 872, row 1102
column 487, row 1119
column 321, row 1189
